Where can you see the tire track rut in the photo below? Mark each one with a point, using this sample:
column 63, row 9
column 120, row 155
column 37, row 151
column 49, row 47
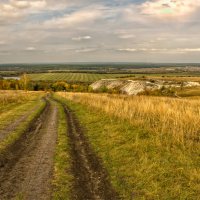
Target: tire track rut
column 28, row 173
column 91, row 180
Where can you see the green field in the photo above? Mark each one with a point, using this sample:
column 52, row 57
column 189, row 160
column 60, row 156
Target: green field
column 92, row 77
column 73, row 77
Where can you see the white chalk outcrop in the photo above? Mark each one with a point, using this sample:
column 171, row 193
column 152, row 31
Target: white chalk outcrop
column 134, row 87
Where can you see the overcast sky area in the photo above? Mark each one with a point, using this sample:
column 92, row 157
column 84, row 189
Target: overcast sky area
column 37, row 31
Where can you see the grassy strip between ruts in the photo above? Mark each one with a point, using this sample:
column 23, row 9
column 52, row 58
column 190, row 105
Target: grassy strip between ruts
column 138, row 167
column 16, row 134
column 62, row 177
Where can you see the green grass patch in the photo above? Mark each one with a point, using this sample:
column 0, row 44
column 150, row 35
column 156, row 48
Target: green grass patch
column 139, row 166
column 10, row 106
column 17, row 133
column 62, row 178
column 17, row 111
column 15, row 108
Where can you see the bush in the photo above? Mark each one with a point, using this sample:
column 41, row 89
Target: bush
column 60, row 86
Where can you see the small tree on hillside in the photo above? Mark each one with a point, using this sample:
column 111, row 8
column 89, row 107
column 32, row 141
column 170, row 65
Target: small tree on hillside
column 60, row 86
column 24, row 80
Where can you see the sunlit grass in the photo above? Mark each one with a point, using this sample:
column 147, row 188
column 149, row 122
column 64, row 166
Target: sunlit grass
column 13, row 106
column 142, row 163
column 16, row 133
column 12, row 98
column 169, row 119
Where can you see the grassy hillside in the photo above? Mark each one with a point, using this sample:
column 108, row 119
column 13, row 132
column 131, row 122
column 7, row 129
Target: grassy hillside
column 165, row 117
column 149, row 145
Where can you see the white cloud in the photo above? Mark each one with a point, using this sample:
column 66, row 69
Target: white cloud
column 87, row 37
column 16, row 9
column 127, row 49
column 22, row 4
column 86, row 15
column 30, row 49
column 161, row 50
column 189, row 50
column 141, row 49
column 85, row 50
column 38, row 4
column 126, row 36
column 19, row 4
column 169, row 8
column 153, row 49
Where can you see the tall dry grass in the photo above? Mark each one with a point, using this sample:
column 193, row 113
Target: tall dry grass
column 9, row 97
column 176, row 119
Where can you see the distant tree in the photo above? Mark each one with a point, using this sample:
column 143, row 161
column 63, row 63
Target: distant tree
column 90, row 89
column 75, row 87
column 103, row 89
column 60, row 86
column 24, row 80
column 36, row 87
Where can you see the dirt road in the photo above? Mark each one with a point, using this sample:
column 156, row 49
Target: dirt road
column 90, row 178
column 27, row 173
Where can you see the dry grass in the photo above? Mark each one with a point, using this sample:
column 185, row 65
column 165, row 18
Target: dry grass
column 178, row 120
column 155, row 162
column 16, row 97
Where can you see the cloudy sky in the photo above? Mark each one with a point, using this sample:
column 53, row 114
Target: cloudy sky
column 99, row 31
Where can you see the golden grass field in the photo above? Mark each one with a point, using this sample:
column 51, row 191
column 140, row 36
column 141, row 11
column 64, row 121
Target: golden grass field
column 163, row 116
column 8, row 97
column 13, row 106
column 149, row 145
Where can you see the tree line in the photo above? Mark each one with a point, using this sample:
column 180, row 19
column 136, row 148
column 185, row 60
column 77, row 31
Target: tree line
column 25, row 84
